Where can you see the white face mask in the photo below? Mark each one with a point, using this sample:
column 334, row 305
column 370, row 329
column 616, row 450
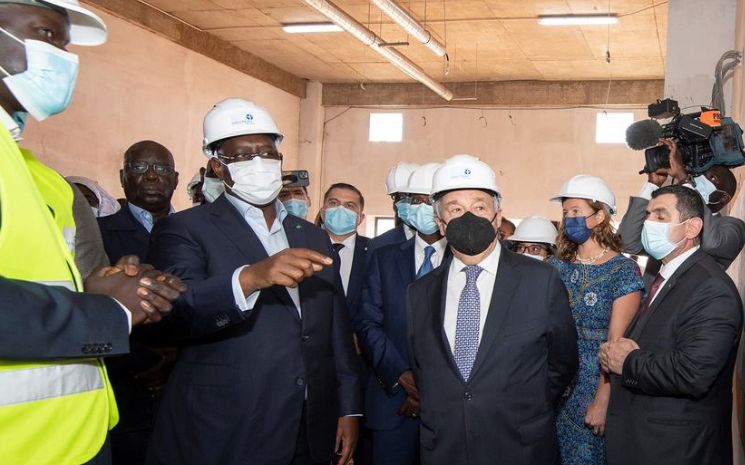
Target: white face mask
column 256, row 181
column 212, row 188
column 537, row 257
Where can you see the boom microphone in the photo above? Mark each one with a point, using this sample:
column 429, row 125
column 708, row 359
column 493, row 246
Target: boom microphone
column 643, row 134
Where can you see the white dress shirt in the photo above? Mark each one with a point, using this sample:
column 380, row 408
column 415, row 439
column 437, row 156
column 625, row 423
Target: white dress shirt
column 409, row 232
column 274, row 241
column 671, row 267
column 419, row 246
column 456, row 283
column 346, row 259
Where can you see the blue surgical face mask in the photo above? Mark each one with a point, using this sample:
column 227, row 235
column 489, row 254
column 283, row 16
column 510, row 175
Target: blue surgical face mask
column 422, row 218
column 576, row 230
column 656, row 240
column 340, row 220
column 45, row 87
column 297, row 207
column 705, row 187
column 402, row 209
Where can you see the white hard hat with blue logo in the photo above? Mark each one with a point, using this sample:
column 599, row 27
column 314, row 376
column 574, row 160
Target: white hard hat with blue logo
column 464, row 172
column 236, row 117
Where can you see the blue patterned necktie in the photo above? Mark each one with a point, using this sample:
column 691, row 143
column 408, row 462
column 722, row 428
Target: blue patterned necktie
column 467, row 324
column 427, row 263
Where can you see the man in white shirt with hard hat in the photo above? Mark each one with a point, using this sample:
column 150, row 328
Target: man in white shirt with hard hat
column 270, row 373
column 491, row 338
column 395, row 185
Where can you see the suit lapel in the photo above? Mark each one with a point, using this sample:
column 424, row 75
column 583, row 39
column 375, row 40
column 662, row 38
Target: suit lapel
column 229, row 221
column 358, row 265
column 505, row 285
column 405, row 261
column 640, row 321
column 438, row 303
column 296, row 238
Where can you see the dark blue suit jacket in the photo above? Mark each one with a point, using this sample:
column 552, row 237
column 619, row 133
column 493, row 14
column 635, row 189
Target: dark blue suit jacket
column 123, row 235
column 380, row 323
column 393, row 236
column 357, row 275
column 238, row 390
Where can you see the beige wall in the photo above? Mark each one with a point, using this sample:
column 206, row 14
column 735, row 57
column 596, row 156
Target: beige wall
column 532, row 152
column 141, row 86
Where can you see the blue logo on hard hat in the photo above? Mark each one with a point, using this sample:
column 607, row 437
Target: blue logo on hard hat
column 249, row 117
column 467, row 172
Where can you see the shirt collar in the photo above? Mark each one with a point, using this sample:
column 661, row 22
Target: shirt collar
column 348, row 242
column 144, row 217
column 439, row 246
column 10, row 124
column 249, row 211
column 669, row 268
column 488, row 264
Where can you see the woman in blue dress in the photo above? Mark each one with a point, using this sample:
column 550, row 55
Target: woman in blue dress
column 604, row 293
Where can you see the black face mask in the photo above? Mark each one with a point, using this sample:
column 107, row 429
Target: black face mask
column 470, row 234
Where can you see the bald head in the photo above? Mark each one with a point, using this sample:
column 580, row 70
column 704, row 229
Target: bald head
column 149, row 177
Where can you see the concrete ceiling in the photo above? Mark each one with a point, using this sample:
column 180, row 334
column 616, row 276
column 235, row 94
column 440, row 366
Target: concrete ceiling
column 487, row 40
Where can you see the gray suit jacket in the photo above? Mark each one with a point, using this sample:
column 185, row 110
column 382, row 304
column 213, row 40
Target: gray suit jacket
column 723, row 236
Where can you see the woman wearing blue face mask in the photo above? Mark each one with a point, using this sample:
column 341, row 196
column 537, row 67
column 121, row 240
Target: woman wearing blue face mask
column 604, row 289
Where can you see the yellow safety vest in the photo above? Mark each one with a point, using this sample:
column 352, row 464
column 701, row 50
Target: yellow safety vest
column 51, row 412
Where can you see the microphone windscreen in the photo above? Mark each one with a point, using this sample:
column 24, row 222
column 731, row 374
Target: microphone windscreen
column 643, row 134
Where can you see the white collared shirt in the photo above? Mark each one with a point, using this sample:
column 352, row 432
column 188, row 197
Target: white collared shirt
column 346, row 259
column 456, row 283
column 419, row 246
column 273, row 239
column 669, row 268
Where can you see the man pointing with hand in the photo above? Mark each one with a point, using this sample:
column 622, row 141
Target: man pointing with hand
column 269, row 375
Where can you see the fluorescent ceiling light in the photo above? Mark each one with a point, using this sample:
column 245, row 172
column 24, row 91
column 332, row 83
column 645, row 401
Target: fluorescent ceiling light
column 577, row 20
column 303, row 28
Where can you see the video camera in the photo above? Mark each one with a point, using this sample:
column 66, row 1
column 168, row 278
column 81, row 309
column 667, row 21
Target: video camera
column 704, row 139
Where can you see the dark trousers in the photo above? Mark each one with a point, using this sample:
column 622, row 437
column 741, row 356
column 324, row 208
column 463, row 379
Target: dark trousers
column 104, row 455
column 302, row 448
column 399, row 446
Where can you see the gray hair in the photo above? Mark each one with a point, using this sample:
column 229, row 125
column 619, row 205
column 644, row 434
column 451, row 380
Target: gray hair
column 438, row 204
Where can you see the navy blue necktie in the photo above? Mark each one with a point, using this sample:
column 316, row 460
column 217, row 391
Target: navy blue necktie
column 427, row 263
column 467, row 323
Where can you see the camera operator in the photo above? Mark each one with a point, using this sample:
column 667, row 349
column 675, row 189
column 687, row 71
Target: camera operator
column 723, row 237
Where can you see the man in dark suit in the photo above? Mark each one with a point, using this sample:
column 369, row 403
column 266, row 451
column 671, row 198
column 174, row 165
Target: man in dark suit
column 341, row 214
column 395, row 184
column 491, row 338
column 671, row 383
column 269, row 374
column 391, row 397
column 148, row 178
column 723, row 236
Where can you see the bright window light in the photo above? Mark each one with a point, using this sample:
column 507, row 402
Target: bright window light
column 386, row 127
column 610, row 128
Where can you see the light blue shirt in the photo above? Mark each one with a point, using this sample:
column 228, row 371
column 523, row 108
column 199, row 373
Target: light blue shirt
column 274, row 241
column 144, row 217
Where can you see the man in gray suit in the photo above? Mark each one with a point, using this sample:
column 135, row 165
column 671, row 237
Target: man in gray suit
column 491, row 338
column 723, row 236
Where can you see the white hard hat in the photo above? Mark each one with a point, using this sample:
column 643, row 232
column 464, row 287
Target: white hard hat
column 464, row 172
column 398, row 177
column 236, row 117
column 86, row 28
column 584, row 186
column 420, row 181
column 535, row 229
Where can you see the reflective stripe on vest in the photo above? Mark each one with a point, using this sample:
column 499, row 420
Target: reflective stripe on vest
column 52, row 412
column 30, row 384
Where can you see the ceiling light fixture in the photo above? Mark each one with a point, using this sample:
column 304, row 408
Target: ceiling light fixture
column 369, row 38
column 413, row 27
column 304, row 28
column 577, row 20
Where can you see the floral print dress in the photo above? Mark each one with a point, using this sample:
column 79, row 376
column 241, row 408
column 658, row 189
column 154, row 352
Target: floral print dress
column 592, row 290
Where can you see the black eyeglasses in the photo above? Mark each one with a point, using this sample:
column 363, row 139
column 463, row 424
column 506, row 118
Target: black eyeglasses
column 269, row 155
column 531, row 249
column 141, row 167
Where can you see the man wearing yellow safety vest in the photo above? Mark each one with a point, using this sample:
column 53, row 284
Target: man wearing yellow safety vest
column 56, row 404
